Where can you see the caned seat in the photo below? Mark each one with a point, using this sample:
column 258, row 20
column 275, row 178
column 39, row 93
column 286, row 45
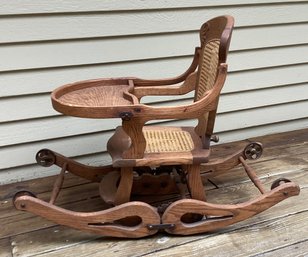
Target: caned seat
column 167, row 140
column 161, row 145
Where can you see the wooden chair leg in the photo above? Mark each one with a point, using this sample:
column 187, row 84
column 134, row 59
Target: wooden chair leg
column 108, row 187
column 125, row 186
column 194, row 182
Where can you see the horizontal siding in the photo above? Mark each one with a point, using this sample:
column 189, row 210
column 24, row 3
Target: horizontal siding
column 43, row 81
column 38, row 28
column 111, row 50
column 46, row 44
column 18, row 7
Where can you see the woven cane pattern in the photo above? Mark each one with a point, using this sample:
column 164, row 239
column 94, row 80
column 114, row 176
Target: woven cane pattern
column 167, row 141
column 208, row 68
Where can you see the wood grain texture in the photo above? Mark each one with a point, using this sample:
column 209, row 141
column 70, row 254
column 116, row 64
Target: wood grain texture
column 296, row 249
column 194, row 183
column 100, row 222
column 125, row 186
column 221, row 215
column 223, row 245
column 281, row 148
column 65, row 200
column 6, row 249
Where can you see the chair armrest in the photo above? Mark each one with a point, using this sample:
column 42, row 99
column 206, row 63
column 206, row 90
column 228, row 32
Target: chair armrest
column 194, row 110
column 170, row 81
column 184, row 88
column 134, row 117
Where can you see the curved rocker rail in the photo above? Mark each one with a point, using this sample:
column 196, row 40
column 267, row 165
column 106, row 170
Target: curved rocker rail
column 217, row 216
column 128, row 220
column 217, row 167
column 46, row 158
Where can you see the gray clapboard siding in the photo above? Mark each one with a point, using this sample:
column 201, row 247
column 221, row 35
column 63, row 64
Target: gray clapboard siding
column 55, row 27
column 109, row 50
column 266, row 77
column 45, row 80
column 59, row 6
column 269, row 36
column 56, row 127
column 268, row 57
column 260, row 116
column 46, row 44
column 73, row 146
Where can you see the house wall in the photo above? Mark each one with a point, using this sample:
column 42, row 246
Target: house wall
column 44, row 44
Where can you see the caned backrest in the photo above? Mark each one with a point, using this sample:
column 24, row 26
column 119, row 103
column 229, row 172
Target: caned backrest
column 215, row 38
column 207, row 69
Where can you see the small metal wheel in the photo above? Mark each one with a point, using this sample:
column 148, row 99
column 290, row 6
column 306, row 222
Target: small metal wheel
column 215, row 138
column 253, row 151
column 45, row 158
column 22, row 193
column 279, row 181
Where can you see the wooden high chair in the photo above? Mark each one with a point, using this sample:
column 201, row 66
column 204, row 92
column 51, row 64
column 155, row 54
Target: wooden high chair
column 156, row 160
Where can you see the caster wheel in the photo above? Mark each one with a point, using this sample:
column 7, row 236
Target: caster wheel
column 279, row 181
column 45, row 158
column 22, row 193
column 253, row 151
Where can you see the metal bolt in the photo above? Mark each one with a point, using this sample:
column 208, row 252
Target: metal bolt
column 126, row 116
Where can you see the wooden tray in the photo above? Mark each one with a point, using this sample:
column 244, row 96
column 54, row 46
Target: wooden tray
column 102, row 98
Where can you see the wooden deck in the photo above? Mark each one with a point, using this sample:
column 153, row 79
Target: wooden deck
column 279, row 231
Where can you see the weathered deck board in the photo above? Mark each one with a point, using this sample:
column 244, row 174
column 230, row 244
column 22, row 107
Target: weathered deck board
column 229, row 191
column 62, row 244
column 246, row 241
column 21, row 222
column 5, row 248
column 38, row 185
column 281, row 230
column 294, row 250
